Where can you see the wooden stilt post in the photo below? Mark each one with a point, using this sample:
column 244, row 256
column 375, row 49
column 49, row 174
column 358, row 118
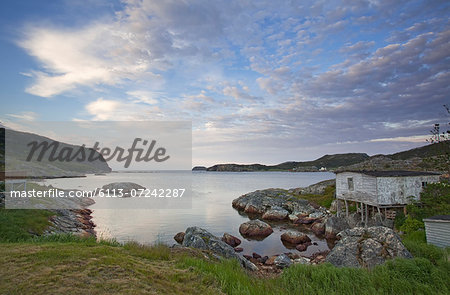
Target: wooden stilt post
column 338, row 208
column 367, row 217
column 346, row 208
column 362, row 212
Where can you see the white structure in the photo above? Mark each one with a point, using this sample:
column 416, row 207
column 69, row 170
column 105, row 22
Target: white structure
column 437, row 229
column 381, row 189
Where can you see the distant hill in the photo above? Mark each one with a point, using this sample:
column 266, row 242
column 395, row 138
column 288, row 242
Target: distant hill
column 18, row 150
column 430, row 150
column 432, row 157
column 327, row 161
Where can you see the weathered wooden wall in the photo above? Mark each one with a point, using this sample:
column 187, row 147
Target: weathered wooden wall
column 396, row 190
column 365, row 187
column 380, row 191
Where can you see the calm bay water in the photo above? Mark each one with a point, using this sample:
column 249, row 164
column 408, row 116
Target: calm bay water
column 212, row 194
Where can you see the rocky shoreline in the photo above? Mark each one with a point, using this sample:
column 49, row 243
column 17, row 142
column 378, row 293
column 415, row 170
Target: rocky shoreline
column 71, row 221
column 353, row 243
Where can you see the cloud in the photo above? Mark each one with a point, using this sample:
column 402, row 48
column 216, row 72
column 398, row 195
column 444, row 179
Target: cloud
column 116, row 110
column 144, row 38
column 143, row 96
column 239, row 94
column 26, row 116
column 259, row 73
column 417, row 139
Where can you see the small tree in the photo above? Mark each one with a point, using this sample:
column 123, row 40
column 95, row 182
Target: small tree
column 442, row 139
column 436, row 135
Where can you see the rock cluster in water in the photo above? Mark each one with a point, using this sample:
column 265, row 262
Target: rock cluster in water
column 356, row 246
column 199, row 238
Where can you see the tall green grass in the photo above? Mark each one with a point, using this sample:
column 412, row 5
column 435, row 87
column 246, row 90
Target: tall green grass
column 20, row 224
column 400, row 276
column 416, row 243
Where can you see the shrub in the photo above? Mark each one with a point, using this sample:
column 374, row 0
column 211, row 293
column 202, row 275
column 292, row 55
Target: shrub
column 399, row 219
column 434, row 200
column 410, row 225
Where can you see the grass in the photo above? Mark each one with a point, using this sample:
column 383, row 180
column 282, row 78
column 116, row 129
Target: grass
column 416, row 243
column 59, row 264
column 324, row 199
column 76, row 266
column 19, row 225
column 90, row 268
column 401, row 276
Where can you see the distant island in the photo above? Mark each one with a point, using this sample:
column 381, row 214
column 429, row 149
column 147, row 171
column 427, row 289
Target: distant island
column 432, row 157
column 199, row 168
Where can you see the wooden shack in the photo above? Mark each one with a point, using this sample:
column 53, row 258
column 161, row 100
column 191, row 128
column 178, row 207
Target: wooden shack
column 381, row 190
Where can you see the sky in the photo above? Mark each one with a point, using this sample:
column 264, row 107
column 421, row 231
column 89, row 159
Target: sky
column 261, row 81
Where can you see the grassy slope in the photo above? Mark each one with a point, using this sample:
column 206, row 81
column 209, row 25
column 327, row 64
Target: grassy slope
column 65, row 264
column 93, row 268
column 71, row 266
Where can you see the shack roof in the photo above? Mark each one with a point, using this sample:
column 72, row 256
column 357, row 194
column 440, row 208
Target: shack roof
column 438, row 218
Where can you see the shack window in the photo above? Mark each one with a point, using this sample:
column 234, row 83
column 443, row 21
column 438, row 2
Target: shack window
column 424, row 183
column 350, row 183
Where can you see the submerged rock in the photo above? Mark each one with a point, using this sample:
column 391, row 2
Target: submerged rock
column 231, row 240
column 294, row 237
column 255, row 228
column 199, row 238
column 367, row 247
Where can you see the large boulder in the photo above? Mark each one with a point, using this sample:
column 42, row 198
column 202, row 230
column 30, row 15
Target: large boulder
column 255, row 228
column 335, row 225
column 260, row 201
column 294, row 237
column 231, row 240
column 199, row 238
column 275, row 213
column 367, row 247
